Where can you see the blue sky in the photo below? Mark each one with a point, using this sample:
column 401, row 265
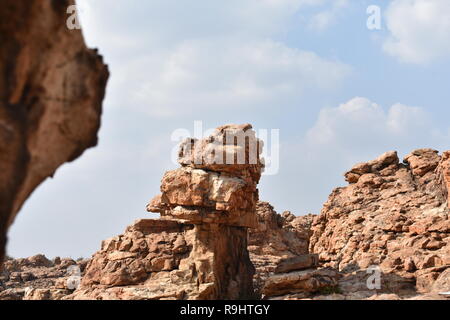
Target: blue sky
column 339, row 93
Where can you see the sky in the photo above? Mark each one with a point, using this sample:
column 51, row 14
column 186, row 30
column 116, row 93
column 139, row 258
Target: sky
column 338, row 91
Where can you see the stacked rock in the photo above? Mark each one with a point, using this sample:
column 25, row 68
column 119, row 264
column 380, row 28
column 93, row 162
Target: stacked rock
column 198, row 249
column 216, row 191
column 393, row 215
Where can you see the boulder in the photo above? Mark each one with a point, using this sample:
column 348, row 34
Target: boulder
column 393, row 216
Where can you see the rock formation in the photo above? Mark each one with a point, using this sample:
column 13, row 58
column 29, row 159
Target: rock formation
column 394, row 216
column 51, row 92
column 279, row 250
column 276, row 238
column 38, row 278
column 198, row 249
column 278, row 244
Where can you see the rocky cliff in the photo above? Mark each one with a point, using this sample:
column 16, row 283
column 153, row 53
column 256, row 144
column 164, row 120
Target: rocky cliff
column 393, row 215
column 51, row 92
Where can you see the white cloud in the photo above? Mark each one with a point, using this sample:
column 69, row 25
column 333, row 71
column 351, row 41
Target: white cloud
column 419, row 30
column 325, row 18
column 361, row 124
column 168, row 22
column 176, row 61
column 204, row 75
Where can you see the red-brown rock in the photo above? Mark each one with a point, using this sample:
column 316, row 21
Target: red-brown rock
column 392, row 215
column 51, row 92
column 198, row 250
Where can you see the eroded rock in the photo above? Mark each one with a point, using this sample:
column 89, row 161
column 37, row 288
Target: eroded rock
column 394, row 216
column 198, row 249
column 276, row 237
column 305, row 281
column 38, row 278
column 51, row 92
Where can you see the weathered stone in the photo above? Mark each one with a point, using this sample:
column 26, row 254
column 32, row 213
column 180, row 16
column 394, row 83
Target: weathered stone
column 235, row 144
column 37, row 278
column 391, row 224
column 422, row 161
column 276, row 237
column 395, row 216
column 309, row 281
column 444, row 174
column 305, row 261
column 198, row 249
column 51, row 92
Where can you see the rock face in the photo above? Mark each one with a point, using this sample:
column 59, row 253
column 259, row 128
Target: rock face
column 279, row 250
column 198, row 249
column 276, row 237
column 392, row 215
column 51, row 92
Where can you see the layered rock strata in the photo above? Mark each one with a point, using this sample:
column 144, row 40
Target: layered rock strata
column 198, row 249
column 276, row 238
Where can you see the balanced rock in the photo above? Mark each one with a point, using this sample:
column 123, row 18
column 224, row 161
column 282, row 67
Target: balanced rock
column 198, row 249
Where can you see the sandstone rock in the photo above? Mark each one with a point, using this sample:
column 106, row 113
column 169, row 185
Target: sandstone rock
column 392, row 215
column 428, row 296
column 51, row 92
column 442, row 283
column 276, row 237
column 235, row 144
column 112, row 267
column 361, row 284
column 305, row 261
column 444, row 174
column 38, row 278
column 393, row 219
column 309, row 281
column 44, row 294
column 388, row 160
column 385, row 296
column 422, row 161
column 12, row 294
column 198, row 249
